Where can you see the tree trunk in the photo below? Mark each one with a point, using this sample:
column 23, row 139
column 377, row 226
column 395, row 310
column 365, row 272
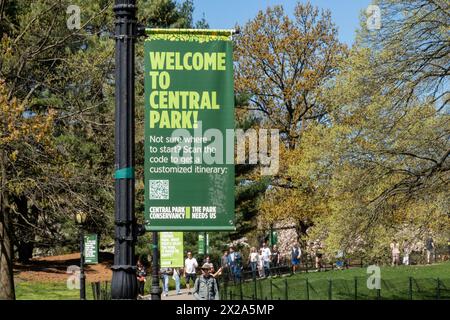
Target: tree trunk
column 6, row 246
column 301, row 229
column 24, row 234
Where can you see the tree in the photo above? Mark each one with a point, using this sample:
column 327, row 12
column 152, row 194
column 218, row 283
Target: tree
column 415, row 45
column 372, row 171
column 376, row 168
column 71, row 71
column 15, row 129
column 169, row 14
column 284, row 65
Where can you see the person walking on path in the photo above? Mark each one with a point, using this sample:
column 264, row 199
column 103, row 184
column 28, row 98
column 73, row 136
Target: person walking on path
column 225, row 266
column 205, row 287
column 141, row 274
column 190, row 268
column 176, row 277
column 395, row 251
column 260, row 264
column 429, row 246
column 319, row 255
column 165, row 273
column 296, row 254
column 275, row 259
column 266, row 255
column 407, row 249
column 235, row 263
column 253, row 261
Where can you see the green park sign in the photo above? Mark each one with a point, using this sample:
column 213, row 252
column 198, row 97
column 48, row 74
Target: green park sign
column 91, row 249
column 189, row 137
column 203, row 244
column 171, row 248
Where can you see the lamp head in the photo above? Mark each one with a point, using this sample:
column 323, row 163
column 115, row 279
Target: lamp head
column 80, row 217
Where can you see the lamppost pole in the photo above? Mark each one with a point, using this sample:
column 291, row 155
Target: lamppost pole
column 80, row 219
column 156, row 290
column 271, row 235
column 82, row 275
column 124, row 282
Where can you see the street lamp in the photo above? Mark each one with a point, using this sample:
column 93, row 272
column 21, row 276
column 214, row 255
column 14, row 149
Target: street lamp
column 80, row 218
column 124, row 282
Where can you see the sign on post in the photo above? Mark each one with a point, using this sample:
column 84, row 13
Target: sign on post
column 189, row 130
column 171, row 248
column 91, row 249
column 202, row 250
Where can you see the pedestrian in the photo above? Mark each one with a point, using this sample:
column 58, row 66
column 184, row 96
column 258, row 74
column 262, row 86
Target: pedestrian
column 225, row 266
column 266, row 255
column 205, row 286
column 275, row 259
column 190, row 268
column 176, row 277
column 253, row 261
column 235, row 263
column 207, row 259
column 260, row 264
column 429, row 246
column 165, row 274
column 141, row 277
column 395, row 252
column 340, row 259
column 319, row 255
column 406, row 252
column 296, row 254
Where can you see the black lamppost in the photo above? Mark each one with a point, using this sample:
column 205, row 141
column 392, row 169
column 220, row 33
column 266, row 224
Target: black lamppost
column 124, row 282
column 80, row 218
column 205, row 245
column 156, row 289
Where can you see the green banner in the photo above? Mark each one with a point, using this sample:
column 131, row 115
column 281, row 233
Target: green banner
column 90, row 249
column 273, row 238
column 189, row 131
column 203, row 243
column 171, row 249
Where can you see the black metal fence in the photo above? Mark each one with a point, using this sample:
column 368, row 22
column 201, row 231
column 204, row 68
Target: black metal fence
column 287, row 287
column 101, row 290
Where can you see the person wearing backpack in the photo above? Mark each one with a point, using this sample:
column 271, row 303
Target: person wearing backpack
column 205, row 287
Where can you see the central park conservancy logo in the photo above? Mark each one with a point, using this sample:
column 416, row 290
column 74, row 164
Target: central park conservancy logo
column 177, row 212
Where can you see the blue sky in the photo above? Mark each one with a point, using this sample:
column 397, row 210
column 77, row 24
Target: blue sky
column 224, row 14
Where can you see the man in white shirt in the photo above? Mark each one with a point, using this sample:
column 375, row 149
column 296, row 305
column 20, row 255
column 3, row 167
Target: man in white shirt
column 266, row 254
column 190, row 265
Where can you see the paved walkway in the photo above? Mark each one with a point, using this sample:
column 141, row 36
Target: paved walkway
column 173, row 296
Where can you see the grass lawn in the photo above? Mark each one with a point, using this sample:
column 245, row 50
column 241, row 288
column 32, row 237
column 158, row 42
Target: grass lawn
column 30, row 290
column 343, row 284
column 395, row 284
column 33, row 290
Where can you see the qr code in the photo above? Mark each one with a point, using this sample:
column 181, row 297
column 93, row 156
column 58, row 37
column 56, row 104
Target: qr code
column 159, row 189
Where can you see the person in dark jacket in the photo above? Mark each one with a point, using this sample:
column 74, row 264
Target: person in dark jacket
column 141, row 274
